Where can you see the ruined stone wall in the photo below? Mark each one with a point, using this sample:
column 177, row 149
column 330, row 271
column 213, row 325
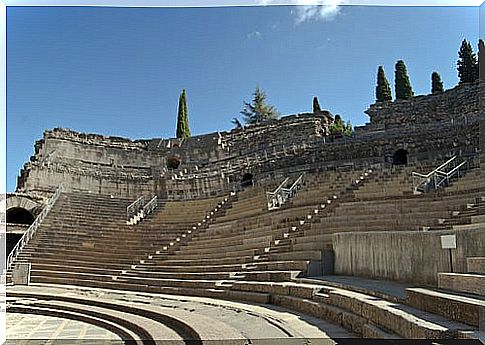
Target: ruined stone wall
column 430, row 127
column 126, row 168
column 87, row 162
column 452, row 105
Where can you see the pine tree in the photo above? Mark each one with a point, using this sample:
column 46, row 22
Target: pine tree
column 467, row 63
column 402, row 84
column 316, row 106
column 383, row 89
column 183, row 130
column 258, row 111
column 436, row 83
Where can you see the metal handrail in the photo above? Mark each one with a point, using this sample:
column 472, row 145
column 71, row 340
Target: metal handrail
column 446, row 176
column 135, row 207
column 435, row 170
column 278, row 189
column 281, row 194
column 150, row 206
column 33, row 227
column 438, row 177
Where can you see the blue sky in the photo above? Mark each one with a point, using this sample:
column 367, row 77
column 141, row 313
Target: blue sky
column 119, row 71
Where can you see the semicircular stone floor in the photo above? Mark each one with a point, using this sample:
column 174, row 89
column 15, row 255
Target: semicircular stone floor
column 31, row 326
column 211, row 319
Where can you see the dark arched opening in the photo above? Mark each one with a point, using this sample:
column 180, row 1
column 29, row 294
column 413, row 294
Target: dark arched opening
column 18, row 215
column 247, row 180
column 173, row 162
column 12, row 240
column 400, row 157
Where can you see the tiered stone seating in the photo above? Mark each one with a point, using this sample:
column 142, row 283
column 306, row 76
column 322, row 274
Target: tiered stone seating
column 237, row 245
column 85, row 238
column 250, row 254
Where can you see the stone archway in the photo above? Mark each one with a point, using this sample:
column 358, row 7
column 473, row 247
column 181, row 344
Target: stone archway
column 18, row 205
column 400, row 157
column 247, row 180
column 18, row 215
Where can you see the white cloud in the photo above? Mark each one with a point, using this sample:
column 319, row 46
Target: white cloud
column 255, row 35
column 308, row 10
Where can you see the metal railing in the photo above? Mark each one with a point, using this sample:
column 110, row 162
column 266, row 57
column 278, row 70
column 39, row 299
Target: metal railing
column 33, row 227
column 135, row 207
column 281, row 194
column 140, row 205
column 150, row 206
column 439, row 177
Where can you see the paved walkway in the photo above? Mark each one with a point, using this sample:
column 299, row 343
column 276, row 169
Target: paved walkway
column 29, row 326
column 213, row 319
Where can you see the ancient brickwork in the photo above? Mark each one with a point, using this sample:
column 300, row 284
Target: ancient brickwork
column 458, row 104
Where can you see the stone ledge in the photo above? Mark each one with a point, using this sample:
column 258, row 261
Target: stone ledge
column 460, row 282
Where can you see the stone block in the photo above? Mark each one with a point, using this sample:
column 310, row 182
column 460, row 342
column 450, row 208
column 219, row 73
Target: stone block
column 21, row 273
column 469, row 283
column 462, row 309
column 476, row 265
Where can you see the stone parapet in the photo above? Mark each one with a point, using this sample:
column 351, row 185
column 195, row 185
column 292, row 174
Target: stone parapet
column 456, row 104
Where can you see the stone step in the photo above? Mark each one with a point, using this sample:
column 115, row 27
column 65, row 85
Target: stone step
column 402, row 320
column 181, row 275
column 297, row 255
column 462, row 308
column 62, row 252
column 462, row 282
column 476, row 264
column 188, row 262
column 81, row 258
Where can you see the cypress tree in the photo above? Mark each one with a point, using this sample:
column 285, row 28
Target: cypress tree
column 183, row 130
column 383, row 89
column 467, row 63
column 316, row 106
column 402, row 85
column 436, row 83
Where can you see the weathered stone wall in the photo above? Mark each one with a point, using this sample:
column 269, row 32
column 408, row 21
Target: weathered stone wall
column 126, row 168
column 407, row 256
column 89, row 162
column 451, row 105
column 214, row 162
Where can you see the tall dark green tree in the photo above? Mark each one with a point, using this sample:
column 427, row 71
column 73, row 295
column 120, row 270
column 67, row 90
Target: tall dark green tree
column 183, row 130
column 383, row 89
column 258, row 111
column 481, row 57
column 402, row 84
column 436, row 83
column 467, row 63
column 316, row 106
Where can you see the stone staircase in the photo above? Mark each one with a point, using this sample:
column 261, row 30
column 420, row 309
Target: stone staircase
column 73, row 248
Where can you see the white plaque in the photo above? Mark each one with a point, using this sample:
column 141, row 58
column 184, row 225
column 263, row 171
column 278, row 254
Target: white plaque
column 448, row 241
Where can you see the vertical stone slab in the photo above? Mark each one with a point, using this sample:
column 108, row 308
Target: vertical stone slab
column 21, row 274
